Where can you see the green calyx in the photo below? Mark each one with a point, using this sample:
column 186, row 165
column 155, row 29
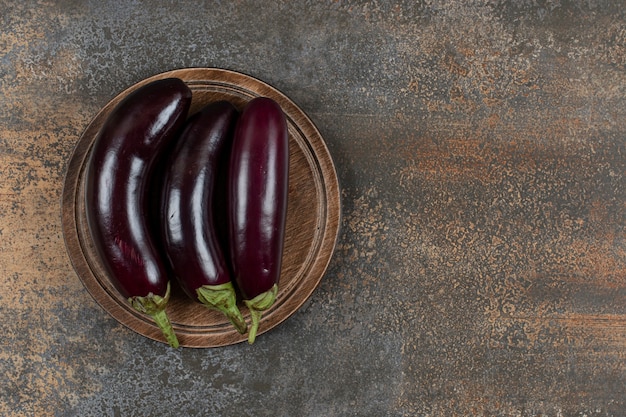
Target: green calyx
column 222, row 298
column 154, row 306
column 256, row 306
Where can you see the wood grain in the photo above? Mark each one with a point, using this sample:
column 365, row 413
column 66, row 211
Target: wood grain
column 312, row 218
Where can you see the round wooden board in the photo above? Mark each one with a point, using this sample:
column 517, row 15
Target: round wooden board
column 312, row 220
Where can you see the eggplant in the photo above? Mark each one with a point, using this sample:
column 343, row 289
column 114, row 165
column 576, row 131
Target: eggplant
column 257, row 204
column 191, row 238
column 117, row 193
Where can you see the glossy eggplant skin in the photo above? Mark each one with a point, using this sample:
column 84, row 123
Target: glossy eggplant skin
column 117, row 185
column 191, row 238
column 192, row 244
column 257, row 196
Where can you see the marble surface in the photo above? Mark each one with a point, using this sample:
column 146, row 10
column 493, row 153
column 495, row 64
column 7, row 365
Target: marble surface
column 481, row 265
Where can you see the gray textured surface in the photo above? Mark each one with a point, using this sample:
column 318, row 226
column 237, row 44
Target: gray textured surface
column 481, row 268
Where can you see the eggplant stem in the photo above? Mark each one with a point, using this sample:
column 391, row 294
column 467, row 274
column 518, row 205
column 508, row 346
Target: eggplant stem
column 256, row 306
column 222, row 298
column 163, row 321
column 154, row 306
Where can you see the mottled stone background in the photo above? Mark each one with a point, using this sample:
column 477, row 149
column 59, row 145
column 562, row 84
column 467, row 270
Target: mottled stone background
column 481, row 267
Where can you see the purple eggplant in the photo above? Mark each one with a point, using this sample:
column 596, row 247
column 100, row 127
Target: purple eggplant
column 191, row 239
column 257, row 196
column 118, row 181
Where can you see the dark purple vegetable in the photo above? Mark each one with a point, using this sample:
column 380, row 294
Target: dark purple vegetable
column 191, row 240
column 117, row 193
column 257, row 196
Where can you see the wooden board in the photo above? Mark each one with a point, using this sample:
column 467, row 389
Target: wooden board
column 312, row 219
